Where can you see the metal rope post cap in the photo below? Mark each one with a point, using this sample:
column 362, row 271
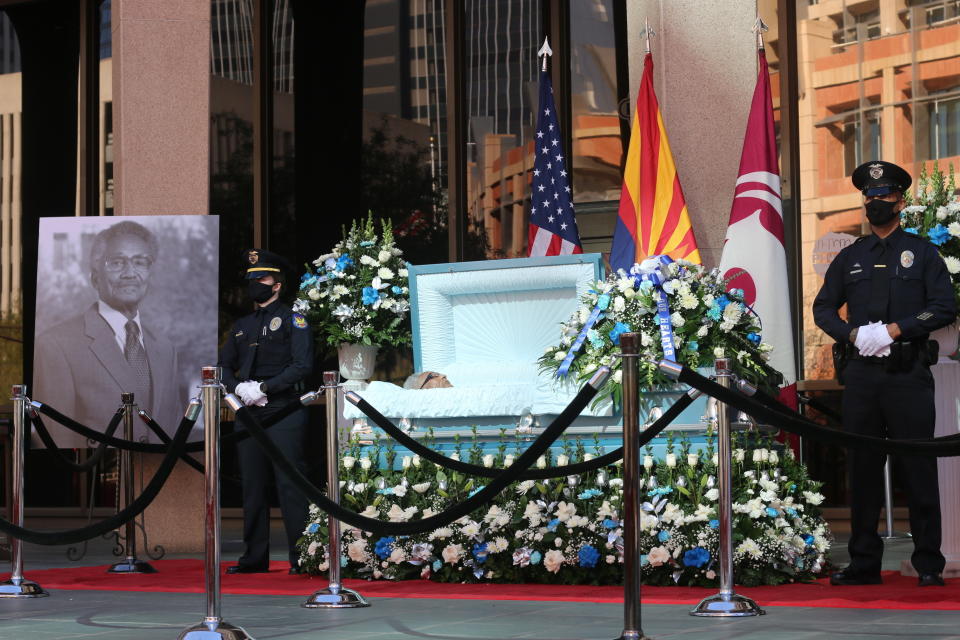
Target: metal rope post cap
column 17, row 586
column 334, row 595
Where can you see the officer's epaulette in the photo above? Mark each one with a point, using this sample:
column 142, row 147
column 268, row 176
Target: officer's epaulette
column 861, row 238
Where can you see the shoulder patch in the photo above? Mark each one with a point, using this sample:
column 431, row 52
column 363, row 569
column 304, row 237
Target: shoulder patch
column 299, row 321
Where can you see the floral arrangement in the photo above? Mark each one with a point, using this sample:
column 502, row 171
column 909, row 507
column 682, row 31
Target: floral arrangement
column 935, row 215
column 358, row 292
column 568, row 530
column 706, row 322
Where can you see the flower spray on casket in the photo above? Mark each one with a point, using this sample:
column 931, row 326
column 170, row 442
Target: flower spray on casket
column 934, row 214
column 358, row 292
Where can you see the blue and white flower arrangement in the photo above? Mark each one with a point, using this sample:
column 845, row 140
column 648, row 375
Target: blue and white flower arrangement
column 934, row 213
column 357, row 293
column 568, row 530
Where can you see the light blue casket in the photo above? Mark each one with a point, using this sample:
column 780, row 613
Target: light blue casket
column 484, row 325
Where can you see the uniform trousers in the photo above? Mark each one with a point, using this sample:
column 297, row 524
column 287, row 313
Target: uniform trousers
column 256, row 473
column 900, row 406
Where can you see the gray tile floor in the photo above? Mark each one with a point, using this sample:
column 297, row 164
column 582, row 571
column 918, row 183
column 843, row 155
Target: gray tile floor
column 162, row 616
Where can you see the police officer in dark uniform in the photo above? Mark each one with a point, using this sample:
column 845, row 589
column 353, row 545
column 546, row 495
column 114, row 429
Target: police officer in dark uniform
column 265, row 360
column 897, row 290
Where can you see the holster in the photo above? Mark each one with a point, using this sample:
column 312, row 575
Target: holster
column 840, row 360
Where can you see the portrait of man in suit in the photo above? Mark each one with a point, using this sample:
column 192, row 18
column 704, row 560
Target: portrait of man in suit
column 85, row 362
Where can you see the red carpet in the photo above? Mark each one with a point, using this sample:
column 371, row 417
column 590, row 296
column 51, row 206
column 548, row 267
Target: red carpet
column 186, row 576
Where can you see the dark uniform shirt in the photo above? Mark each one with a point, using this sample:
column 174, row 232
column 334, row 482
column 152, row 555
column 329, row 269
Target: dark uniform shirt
column 914, row 281
column 284, row 351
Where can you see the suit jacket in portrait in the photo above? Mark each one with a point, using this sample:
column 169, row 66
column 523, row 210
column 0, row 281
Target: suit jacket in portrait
column 80, row 370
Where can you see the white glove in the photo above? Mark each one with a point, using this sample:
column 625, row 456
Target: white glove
column 874, row 340
column 249, row 391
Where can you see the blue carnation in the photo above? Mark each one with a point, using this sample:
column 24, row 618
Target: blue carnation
column 588, row 556
column 663, row 536
column 610, row 524
column 313, row 528
column 536, row 557
column 693, row 345
column 753, row 337
column 808, row 539
column 792, row 512
column 618, row 329
column 383, row 547
column 480, row 552
column 552, row 525
column 773, row 513
column 595, row 338
column 714, row 524
column 915, row 231
column 396, row 290
column 696, row 557
column 436, row 565
column 715, row 312
column 603, row 302
column 344, row 561
column 938, row 235
column 722, row 302
column 589, row 493
column 344, row 261
column 367, row 243
column 370, row 295
column 386, row 491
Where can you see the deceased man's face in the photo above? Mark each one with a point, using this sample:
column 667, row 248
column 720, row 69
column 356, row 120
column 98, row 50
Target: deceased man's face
column 121, row 277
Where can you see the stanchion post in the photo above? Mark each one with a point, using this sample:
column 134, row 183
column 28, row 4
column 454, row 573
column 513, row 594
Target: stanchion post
column 335, row 595
column 726, row 603
column 629, row 350
column 892, row 534
column 129, row 564
column 213, row 627
column 18, row 586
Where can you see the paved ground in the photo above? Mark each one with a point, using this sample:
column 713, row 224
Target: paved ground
column 67, row 615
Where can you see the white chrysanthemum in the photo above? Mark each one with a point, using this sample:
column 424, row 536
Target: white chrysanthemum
column 813, row 498
column 953, row 264
column 749, row 548
column 703, row 331
column 732, row 312
column 942, row 213
column 369, row 261
column 619, row 304
column 384, row 273
column 954, row 229
column 402, row 273
column 677, row 320
column 688, row 301
column 383, row 256
column 339, row 290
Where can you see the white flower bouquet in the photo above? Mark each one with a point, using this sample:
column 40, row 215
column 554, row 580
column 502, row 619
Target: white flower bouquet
column 934, row 214
column 358, row 292
column 678, row 308
column 568, row 530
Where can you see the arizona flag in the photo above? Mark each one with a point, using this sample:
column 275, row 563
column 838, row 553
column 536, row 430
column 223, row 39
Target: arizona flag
column 754, row 246
column 653, row 217
column 553, row 229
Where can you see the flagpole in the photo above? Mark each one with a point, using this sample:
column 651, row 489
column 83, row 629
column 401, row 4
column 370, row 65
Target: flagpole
column 759, row 28
column 647, row 33
column 545, row 51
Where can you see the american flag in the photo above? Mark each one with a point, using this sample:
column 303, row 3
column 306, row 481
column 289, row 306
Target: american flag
column 553, row 228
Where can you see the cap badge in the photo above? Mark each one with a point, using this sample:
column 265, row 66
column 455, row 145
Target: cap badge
column 253, row 257
column 906, row 259
column 275, row 323
column 876, row 170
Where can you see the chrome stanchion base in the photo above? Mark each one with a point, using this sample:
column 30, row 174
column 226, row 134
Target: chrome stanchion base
column 732, row 606
column 26, row 589
column 132, row 566
column 335, row 599
column 627, row 635
column 898, row 535
column 219, row 631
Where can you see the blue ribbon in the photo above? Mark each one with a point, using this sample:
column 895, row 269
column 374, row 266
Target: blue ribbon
column 657, row 279
column 602, row 303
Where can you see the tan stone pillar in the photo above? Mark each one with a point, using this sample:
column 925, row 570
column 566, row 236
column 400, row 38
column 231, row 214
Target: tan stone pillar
column 161, row 114
column 705, row 66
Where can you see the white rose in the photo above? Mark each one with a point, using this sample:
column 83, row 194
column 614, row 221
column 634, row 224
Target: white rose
column 942, row 213
column 718, row 352
column 552, row 560
column 422, row 487
column 348, row 462
column 488, row 460
column 610, row 559
column 357, row 550
column 648, row 462
column 693, row 459
column 541, row 462
column 715, row 458
column 416, row 461
column 451, row 553
column 738, row 455
column 619, row 304
column 773, row 457
column 618, row 376
column 757, row 455
column 314, row 294
column 397, row 556
column 406, row 462
column 383, row 256
column 657, row 556
column 312, row 549
column 370, row 512
column 560, row 355
column 954, row 229
column 671, row 460
column 712, row 494
column 563, row 460
column 365, row 463
column 399, row 490
column 508, row 460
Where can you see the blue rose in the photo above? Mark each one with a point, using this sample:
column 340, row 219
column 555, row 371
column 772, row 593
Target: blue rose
column 383, row 547
column 313, row 528
column 714, row 524
column 370, row 295
column 618, row 329
column 536, row 557
column 396, row 290
column 696, row 557
column 722, row 302
column 480, row 552
column 753, row 337
column 610, row 524
column 808, row 539
column 588, row 556
column 938, row 235
column 663, row 536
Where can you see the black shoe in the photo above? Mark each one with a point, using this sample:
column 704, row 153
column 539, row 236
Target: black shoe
column 930, row 580
column 237, row 568
column 848, row 577
column 294, row 571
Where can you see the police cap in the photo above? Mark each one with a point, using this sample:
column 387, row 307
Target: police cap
column 878, row 178
column 262, row 263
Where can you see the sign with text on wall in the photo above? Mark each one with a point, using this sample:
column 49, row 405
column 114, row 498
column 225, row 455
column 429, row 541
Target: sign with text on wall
column 826, row 248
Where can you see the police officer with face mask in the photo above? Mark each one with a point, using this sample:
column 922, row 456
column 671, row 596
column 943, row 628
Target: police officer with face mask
column 897, row 290
column 265, row 360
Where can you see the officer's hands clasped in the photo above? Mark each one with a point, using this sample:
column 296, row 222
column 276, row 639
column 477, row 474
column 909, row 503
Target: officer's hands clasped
column 874, row 340
column 249, row 391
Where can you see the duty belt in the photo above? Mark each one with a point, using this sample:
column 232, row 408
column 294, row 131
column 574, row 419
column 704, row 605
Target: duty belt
column 902, row 354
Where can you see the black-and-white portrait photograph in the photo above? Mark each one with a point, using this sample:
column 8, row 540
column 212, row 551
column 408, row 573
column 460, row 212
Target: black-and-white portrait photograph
column 124, row 304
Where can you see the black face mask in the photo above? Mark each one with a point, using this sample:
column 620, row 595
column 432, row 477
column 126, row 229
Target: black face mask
column 880, row 212
column 260, row 292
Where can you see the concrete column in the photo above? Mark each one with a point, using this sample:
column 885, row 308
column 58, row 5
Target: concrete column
column 705, row 65
column 161, row 115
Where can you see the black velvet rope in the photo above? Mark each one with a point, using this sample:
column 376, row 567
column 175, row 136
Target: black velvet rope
column 795, row 423
column 135, row 508
column 144, row 447
column 819, row 406
column 190, row 461
column 436, row 457
column 496, row 485
column 61, row 459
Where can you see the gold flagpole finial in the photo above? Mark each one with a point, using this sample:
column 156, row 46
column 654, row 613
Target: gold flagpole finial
column 647, row 33
column 545, row 51
column 759, row 27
